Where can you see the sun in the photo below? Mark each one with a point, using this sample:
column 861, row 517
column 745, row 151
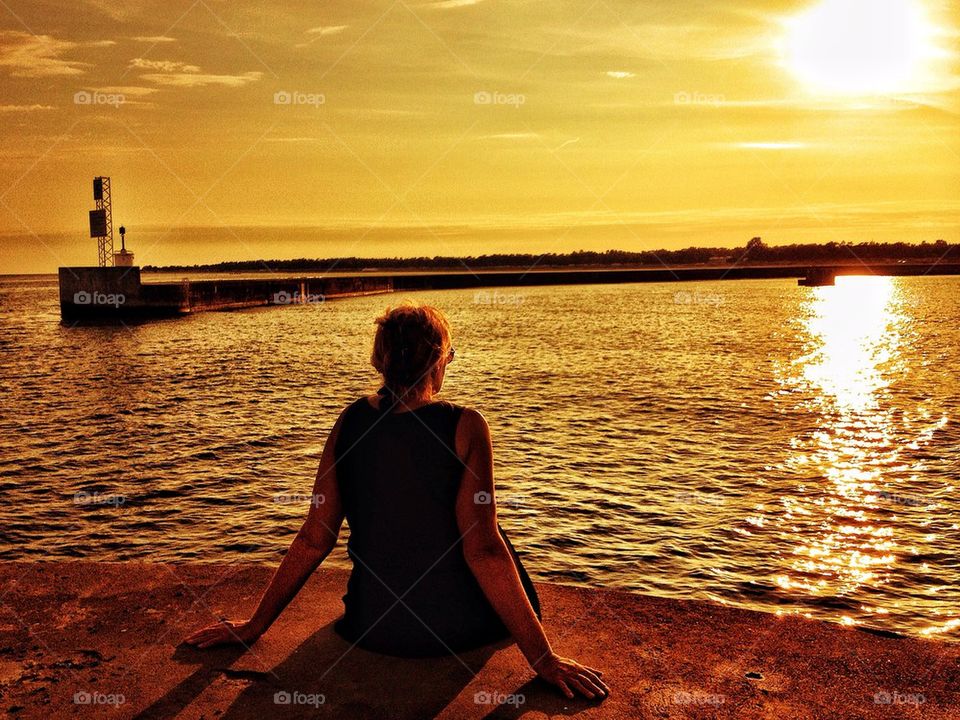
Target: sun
column 859, row 47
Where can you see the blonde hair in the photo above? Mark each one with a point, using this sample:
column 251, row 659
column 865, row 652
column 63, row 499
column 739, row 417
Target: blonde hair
column 410, row 340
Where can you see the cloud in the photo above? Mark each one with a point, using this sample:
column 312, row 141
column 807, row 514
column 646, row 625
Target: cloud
column 173, row 73
column 153, row 39
column 132, row 90
column 320, row 32
column 23, row 108
column 298, row 139
column 39, row 55
column 167, row 66
column 198, row 79
column 327, row 29
column 447, row 4
column 620, row 74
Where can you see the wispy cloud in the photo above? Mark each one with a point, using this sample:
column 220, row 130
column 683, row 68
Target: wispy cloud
column 287, row 140
column 320, row 32
column 620, row 74
column 153, row 39
column 41, row 55
column 173, row 73
column 24, row 108
column 131, row 90
column 198, row 79
column 327, row 29
column 167, row 66
column 447, row 4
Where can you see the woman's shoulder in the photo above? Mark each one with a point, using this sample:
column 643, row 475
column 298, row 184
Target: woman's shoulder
column 470, row 420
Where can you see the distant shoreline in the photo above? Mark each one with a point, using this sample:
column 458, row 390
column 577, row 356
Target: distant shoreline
column 332, row 267
column 755, row 254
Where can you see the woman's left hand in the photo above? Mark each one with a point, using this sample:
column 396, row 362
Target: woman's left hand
column 225, row 632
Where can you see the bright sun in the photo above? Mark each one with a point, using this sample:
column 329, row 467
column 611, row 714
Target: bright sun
column 859, row 47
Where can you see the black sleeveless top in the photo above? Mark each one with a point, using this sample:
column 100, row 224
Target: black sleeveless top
column 398, row 476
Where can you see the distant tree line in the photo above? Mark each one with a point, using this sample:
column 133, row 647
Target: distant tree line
column 755, row 251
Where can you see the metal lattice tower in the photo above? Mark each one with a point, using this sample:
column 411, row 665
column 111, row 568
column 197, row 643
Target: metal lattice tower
column 104, row 228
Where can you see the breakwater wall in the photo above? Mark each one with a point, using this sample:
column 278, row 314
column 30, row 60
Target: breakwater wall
column 105, row 293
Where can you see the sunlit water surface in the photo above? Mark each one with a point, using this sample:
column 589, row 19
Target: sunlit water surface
column 755, row 443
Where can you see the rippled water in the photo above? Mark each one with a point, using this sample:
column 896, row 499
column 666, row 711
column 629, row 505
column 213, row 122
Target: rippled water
column 752, row 442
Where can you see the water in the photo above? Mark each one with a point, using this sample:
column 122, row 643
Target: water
column 754, row 443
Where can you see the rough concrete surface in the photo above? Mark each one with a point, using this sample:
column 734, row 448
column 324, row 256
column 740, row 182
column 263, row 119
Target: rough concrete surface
column 77, row 638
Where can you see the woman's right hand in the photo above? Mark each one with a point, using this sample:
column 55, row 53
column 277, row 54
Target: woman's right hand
column 570, row 676
column 225, row 632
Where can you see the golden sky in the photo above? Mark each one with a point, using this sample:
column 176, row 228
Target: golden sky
column 237, row 130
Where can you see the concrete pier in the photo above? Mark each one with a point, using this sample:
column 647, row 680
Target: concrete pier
column 103, row 640
column 117, row 293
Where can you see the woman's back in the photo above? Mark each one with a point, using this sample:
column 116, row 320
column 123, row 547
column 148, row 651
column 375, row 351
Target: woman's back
column 411, row 592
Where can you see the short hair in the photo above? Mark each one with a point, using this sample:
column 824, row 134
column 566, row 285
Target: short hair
column 409, row 341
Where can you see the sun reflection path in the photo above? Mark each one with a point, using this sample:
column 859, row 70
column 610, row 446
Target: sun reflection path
column 853, row 346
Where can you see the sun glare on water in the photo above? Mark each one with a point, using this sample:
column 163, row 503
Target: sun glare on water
column 860, row 47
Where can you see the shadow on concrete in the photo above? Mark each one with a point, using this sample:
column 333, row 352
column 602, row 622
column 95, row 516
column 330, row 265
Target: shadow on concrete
column 211, row 663
column 326, row 675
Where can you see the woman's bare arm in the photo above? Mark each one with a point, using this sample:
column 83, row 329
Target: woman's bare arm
column 492, row 564
column 316, row 538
